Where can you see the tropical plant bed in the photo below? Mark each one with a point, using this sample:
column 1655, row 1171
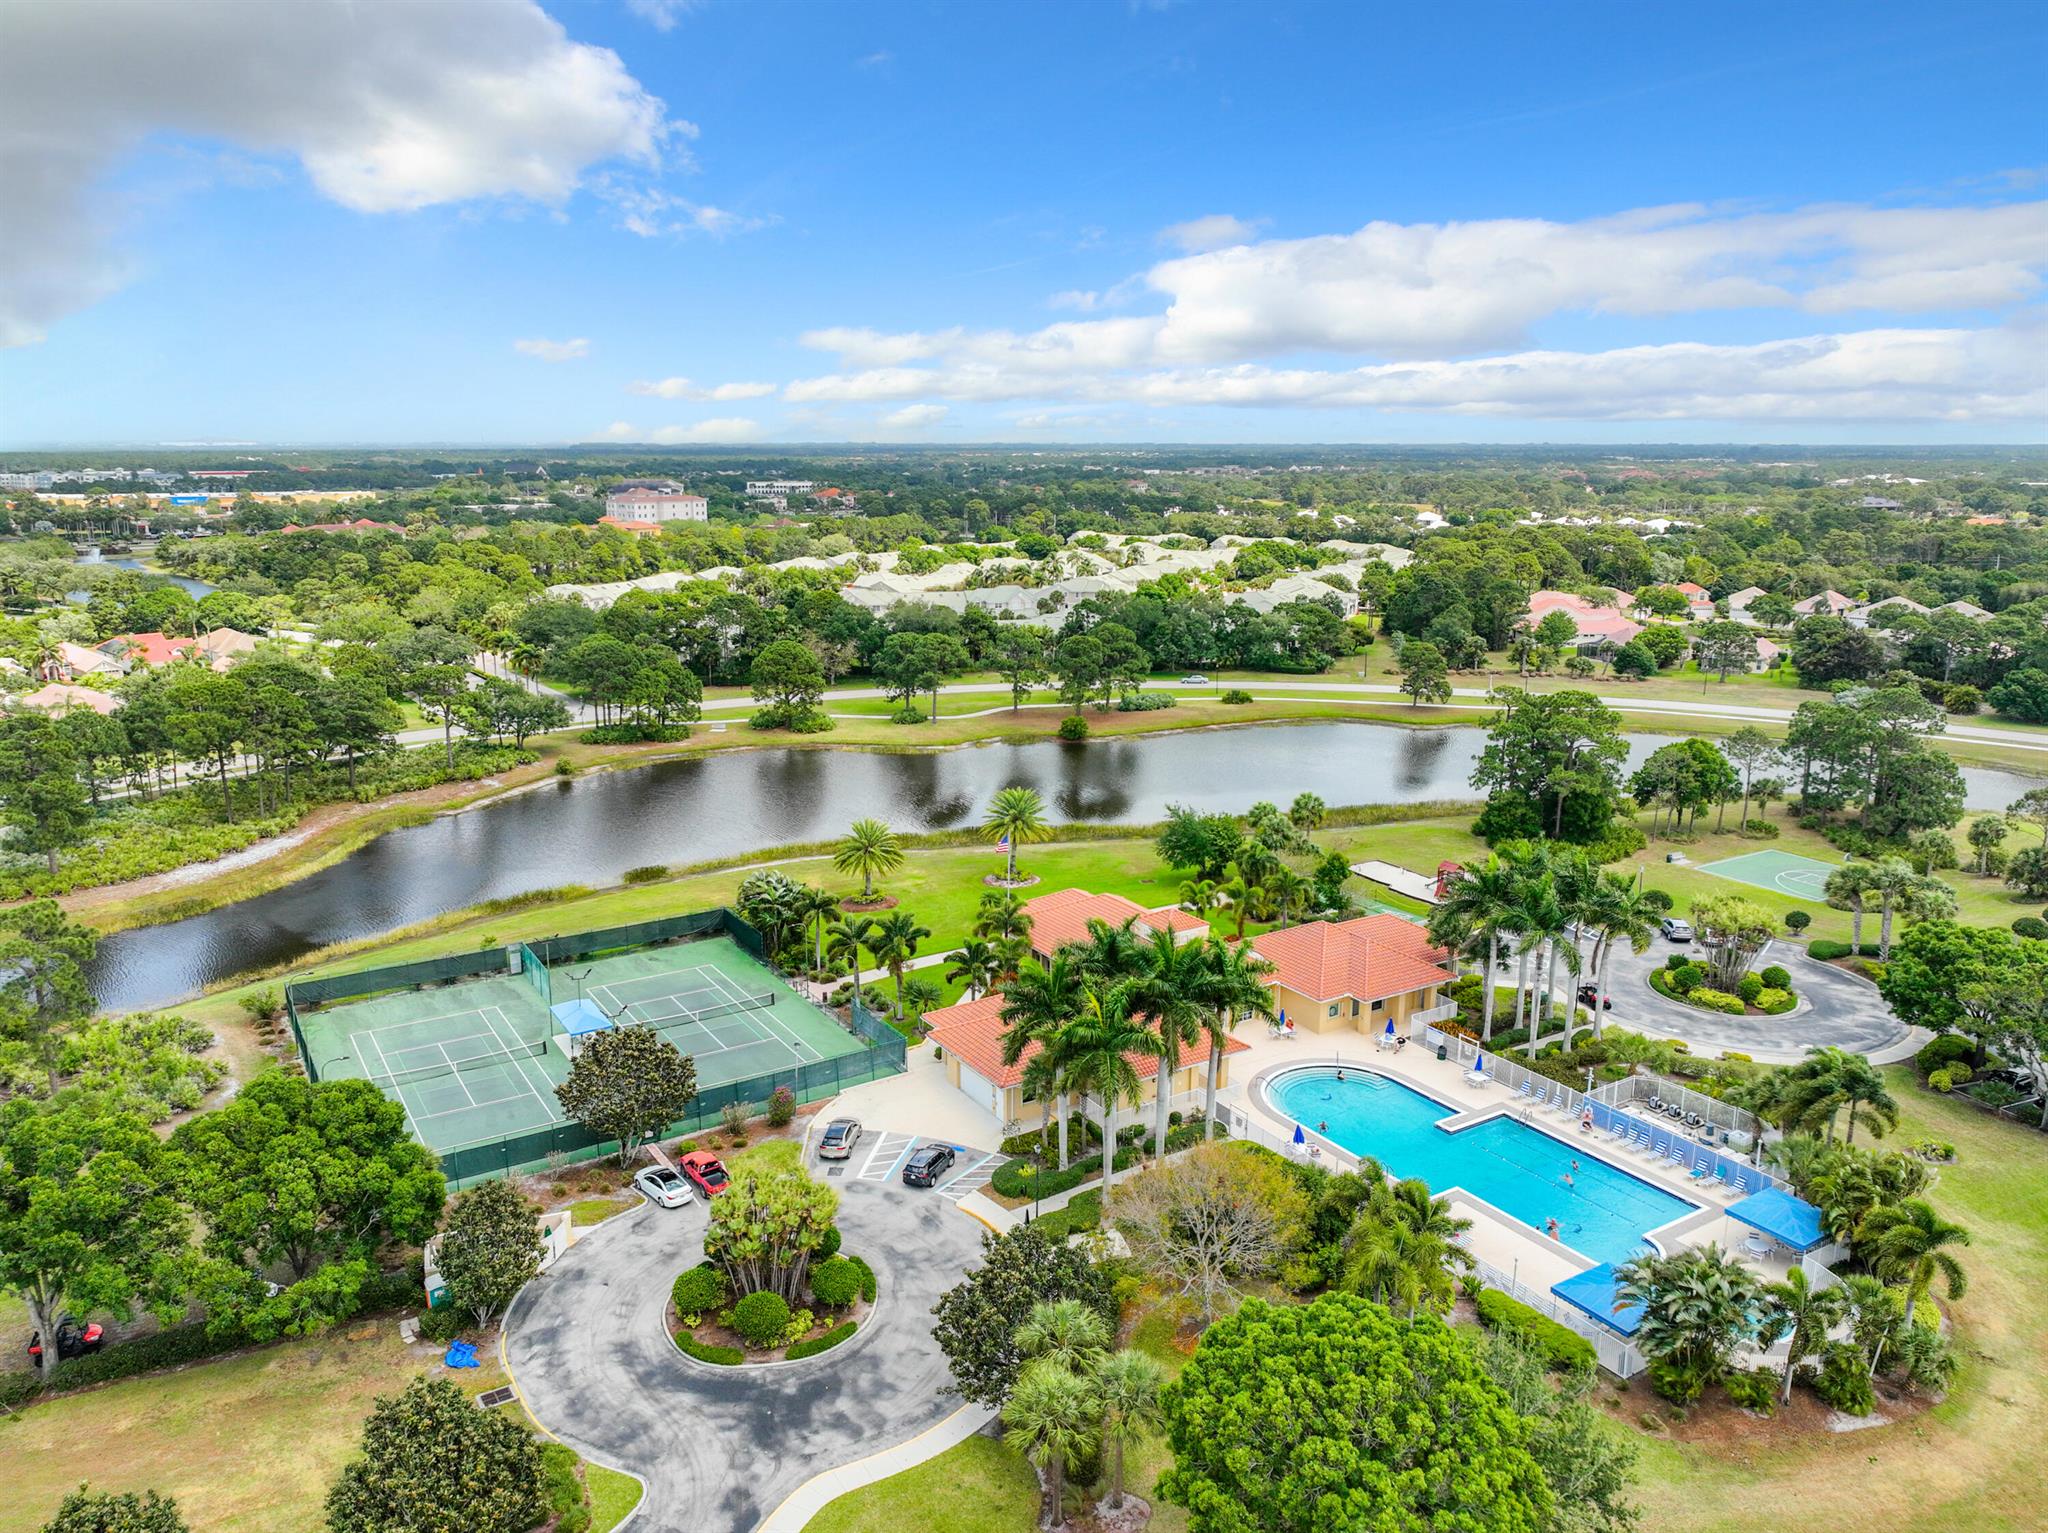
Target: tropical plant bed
column 997, row 881
column 1660, row 981
column 711, row 1341
column 879, row 902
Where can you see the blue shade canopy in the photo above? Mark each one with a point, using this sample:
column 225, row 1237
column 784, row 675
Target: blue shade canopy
column 1593, row 1292
column 580, row 1016
column 1788, row 1220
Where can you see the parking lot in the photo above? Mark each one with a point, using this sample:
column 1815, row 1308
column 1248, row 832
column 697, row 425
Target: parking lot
column 879, row 1157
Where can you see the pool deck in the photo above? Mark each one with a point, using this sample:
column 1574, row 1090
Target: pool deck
column 1496, row 1238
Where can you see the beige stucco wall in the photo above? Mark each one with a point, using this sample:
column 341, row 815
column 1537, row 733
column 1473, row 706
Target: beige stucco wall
column 1351, row 1016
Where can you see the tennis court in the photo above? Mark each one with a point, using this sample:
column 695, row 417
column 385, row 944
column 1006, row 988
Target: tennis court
column 1780, row 872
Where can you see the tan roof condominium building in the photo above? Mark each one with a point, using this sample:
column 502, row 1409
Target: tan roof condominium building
column 1356, row 975
column 656, row 506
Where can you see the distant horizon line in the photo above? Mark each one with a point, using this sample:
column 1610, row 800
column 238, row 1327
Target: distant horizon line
column 770, row 449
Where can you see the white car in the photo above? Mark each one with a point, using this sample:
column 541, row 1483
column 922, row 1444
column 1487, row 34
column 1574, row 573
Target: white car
column 1676, row 930
column 664, row 1186
column 1194, row 680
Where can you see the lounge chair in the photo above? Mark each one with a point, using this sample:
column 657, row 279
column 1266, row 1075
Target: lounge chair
column 1524, row 1091
column 1701, row 1172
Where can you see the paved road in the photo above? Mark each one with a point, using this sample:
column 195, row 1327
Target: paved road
column 1836, row 1008
column 720, row 1448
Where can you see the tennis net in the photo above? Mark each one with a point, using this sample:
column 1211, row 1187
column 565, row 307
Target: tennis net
column 683, row 1016
column 452, row 1066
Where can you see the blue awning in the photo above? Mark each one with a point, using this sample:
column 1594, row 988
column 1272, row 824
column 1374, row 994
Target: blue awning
column 1593, row 1292
column 1788, row 1220
column 580, row 1016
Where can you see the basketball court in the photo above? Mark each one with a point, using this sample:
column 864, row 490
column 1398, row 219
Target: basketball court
column 1780, row 872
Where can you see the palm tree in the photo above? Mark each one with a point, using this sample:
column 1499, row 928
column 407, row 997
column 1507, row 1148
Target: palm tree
column 1233, row 989
column 1239, row 890
column 1545, row 918
column 1479, row 906
column 1872, row 1313
column 1038, row 1006
column 1910, row 1243
column 1001, row 917
column 1696, row 1304
column 1287, row 889
column 1830, row 1079
column 919, row 995
column 1053, row 1417
column 870, row 848
column 1113, row 952
column 1888, row 878
column 1128, row 1384
column 1198, row 896
column 1802, row 1314
column 977, row 963
column 1169, row 991
column 1845, row 890
column 1015, row 815
column 1925, row 898
column 1069, row 1331
column 1098, row 1047
column 846, row 940
column 1307, row 813
column 814, row 909
column 1619, row 912
column 894, row 944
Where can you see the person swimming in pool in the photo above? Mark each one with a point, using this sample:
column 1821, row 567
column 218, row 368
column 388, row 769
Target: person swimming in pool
column 1340, row 1075
column 1568, row 1179
column 1575, row 1168
column 1323, row 1127
column 1550, row 1228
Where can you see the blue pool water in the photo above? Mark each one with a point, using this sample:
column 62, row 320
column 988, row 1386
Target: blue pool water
column 1518, row 1169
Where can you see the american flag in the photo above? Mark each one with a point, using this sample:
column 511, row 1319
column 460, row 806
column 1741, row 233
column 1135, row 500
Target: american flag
column 1004, row 844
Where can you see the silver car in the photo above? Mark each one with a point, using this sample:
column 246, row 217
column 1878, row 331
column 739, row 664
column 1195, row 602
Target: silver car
column 664, row 1186
column 841, row 1135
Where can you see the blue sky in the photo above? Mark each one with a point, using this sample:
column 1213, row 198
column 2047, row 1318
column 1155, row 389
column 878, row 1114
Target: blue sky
column 639, row 220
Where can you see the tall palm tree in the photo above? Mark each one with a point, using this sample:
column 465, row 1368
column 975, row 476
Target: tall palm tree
column 1098, row 1047
column 894, row 944
column 1872, row 1313
column 1619, row 912
column 1288, row 890
column 1846, row 889
column 1069, row 1331
column 814, row 911
column 1831, row 1079
column 1015, row 815
column 1168, row 991
column 1578, row 880
column 1239, row 889
column 1233, row 989
column 1001, row 917
column 1911, row 1243
column 870, row 848
column 1479, row 908
column 1198, row 896
column 1113, row 952
column 1546, row 918
column 1888, row 879
column 846, row 939
column 1038, row 1006
column 976, row 962
column 1802, row 1314
column 1128, row 1384
column 1052, row 1417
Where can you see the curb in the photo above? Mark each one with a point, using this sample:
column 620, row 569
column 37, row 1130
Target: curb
column 811, row 1497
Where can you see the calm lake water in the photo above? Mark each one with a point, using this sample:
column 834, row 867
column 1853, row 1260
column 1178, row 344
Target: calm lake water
column 591, row 830
column 193, row 588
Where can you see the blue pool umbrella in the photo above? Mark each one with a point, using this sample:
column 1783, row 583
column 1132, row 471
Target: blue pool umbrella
column 1390, row 1027
column 1299, row 1136
column 1479, row 1064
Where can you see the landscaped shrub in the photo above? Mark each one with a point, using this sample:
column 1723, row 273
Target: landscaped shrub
column 1236, row 696
column 1680, row 1383
column 698, row 1291
column 1796, row 921
column 761, row 1318
column 1015, row 1178
column 868, row 1286
column 1073, row 727
column 1761, row 830
column 1562, row 1346
column 1754, row 1389
column 725, row 1357
column 1687, row 977
column 835, row 1282
column 1749, row 987
column 828, row 1247
column 2030, row 926
column 1777, row 977
column 1658, row 900
column 1826, row 948
column 1773, row 1002
column 1624, row 838
column 634, row 734
column 1675, row 962
column 825, row 1343
column 781, row 1106
column 1144, row 702
column 1943, row 1051
column 1709, row 999
column 733, row 1117
column 1844, row 1381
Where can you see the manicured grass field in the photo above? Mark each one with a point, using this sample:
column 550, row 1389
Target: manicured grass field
column 978, row 1486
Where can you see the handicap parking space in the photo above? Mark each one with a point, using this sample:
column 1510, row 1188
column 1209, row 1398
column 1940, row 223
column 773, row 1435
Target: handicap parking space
column 886, row 1154
column 971, row 1172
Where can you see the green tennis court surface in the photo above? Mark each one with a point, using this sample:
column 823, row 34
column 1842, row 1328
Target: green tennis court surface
column 477, row 1059
column 1780, row 872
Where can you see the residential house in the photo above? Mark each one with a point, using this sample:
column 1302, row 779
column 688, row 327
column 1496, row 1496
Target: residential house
column 1739, row 602
column 630, row 524
column 1968, row 609
column 1600, row 628
column 222, row 647
column 1765, row 657
column 58, row 697
column 1699, row 601
column 150, row 649
column 969, row 1036
column 1060, row 918
column 72, row 661
column 1289, row 588
column 360, row 524
column 1878, row 613
column 1828, row 603
column 1356, row 976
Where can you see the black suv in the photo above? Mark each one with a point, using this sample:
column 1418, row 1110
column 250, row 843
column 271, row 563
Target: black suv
column 926, row 1167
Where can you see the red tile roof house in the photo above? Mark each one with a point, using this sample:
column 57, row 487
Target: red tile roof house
column 146, row 648
column 1356, row 976
column 1600, row 628
column 970, row 1037
column 1058, row 919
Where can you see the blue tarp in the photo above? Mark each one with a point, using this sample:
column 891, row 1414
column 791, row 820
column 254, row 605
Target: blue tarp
column 580, row 1016
column 1593, row 1292
column 461, row 1354
column 1788, row 1220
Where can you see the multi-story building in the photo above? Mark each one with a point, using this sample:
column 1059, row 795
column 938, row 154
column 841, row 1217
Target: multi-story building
column 761, row 489
column 656, row 506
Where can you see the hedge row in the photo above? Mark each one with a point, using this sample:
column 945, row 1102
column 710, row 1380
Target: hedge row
column 825, row 1343
column 868, row 1286
column 1826, row 947
column 1562, row 1346
column 1077, row 1216
column 725, row 1357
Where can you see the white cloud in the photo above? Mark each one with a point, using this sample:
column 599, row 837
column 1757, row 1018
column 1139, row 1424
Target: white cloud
column 1212, row 231
column 387, row 108
column 553, row 351
column 728, row 428
column 683, row 388
column 650, row 212
column 874, row 60
column 617, row 431
column 662, row 15
column 914, row 417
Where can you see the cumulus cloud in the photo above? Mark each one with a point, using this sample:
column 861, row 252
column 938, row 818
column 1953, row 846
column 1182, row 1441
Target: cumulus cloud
column 553, row 351
column 1212, row 231
column 914, row 417
column 387, row 108
column 683, row 388
column 724, row 428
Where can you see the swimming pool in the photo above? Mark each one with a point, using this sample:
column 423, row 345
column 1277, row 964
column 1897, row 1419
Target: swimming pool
column 1603, row 1212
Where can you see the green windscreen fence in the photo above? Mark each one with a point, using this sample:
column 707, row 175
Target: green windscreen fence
column 536, row 974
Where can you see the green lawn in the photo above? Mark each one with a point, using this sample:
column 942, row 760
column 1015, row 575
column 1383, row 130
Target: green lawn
column 612, row 1496
column 978, row 1486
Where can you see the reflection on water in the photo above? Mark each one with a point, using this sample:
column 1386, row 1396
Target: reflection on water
column 591, row 830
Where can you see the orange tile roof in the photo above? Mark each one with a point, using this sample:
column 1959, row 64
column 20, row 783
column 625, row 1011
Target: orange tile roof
column 972, row 1031
column 149, row 648
column 1367, row 958
column 1057, row 919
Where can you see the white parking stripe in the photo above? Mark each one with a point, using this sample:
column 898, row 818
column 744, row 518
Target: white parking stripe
column 887, row 1148
column 973, row 1179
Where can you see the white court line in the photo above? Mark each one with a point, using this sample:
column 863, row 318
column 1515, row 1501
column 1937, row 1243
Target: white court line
column 518, row 1064
column 771, row 1029
column 455, row 1070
